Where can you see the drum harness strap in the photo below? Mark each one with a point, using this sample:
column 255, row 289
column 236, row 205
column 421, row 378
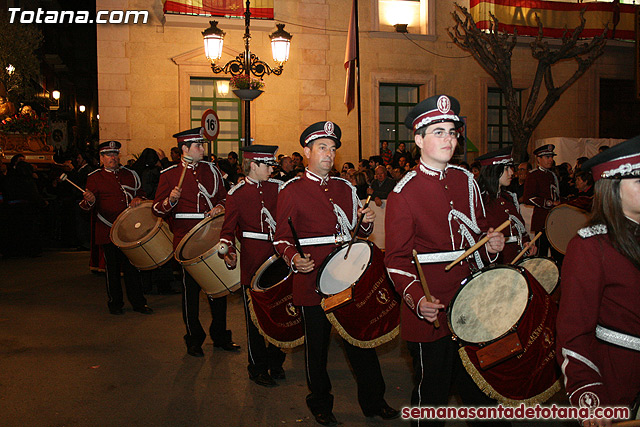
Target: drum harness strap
column 127, row 196
column 617, row 338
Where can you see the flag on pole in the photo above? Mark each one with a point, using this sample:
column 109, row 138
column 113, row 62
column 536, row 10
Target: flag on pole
column 350, row 61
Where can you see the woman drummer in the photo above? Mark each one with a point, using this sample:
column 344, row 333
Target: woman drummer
column 598, row 326
column 500, row 205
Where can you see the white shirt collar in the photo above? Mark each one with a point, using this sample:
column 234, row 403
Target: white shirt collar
column 431, row 171
column 317, row 178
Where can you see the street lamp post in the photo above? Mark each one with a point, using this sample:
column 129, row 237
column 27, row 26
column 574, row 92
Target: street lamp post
column 246, row 63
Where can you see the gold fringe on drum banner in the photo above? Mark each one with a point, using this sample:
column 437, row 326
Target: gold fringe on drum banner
column 254, row 319
column 487, row 389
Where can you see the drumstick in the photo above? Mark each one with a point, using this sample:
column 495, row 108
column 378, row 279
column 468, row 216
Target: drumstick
column 296, row 241
column 526, row 248
column 475, row 247
column 187, row 160
column 423, row 281
column 64, row 177
column 355, row 230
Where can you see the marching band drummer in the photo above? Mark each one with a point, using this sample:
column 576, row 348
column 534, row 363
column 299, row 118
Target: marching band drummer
column 598, row 325
column 501, row 205
column 250, row 207
column 321, row 208
column 202, row 193
column 110, row 190
column 436, row 210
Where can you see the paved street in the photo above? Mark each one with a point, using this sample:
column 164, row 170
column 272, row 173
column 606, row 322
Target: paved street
column 65, row 361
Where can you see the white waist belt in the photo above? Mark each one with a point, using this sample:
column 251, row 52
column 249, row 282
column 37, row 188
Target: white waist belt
column 436, row 257
column 617, row 338
column 511, row 239
column 257, row 236
column 187, row 215
column 325, row 240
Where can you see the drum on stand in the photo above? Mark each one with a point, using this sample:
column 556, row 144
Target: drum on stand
column 372, row 317
column 271, row 304
column 545, row 271
column 505, row 322
column 143, row 237
column 197, row 252
column 562, row 224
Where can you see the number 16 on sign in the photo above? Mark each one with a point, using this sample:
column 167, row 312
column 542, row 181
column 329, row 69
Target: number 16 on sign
column 210, row 124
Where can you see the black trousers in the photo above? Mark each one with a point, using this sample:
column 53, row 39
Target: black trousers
column 190, row 314
column 262, row 356
column 364, row 363
column 544, row 246
column 117, row 262
column 437, row 370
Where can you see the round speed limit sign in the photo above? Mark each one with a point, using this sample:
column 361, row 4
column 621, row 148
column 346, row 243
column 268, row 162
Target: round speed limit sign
column 210, row 124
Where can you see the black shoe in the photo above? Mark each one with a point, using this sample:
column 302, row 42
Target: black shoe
column 278, row 374
column 264, row 380
column 229, row 346
column 145, row 309
column 326, row 418
column 116, row 311
column 385, row 412
column 195, row 351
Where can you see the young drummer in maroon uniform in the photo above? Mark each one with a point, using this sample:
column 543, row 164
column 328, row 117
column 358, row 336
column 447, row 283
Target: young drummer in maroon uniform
column 250, row 210
column 598, row 344
column 324, row 212
column 202, row 193
column 501, row 205
column 542, row 190
column 436, row 210
column 110, row 190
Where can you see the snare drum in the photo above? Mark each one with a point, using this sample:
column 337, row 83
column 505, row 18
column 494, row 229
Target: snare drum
column 373, row 316
column 143, row 237
column 545, row 270
column 503, row 310
column 562, row 224
column 271, row 304
column 198, row 254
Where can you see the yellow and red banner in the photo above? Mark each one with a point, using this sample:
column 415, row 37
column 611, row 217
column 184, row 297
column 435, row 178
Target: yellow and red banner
column 555, row 16
column 260, row 9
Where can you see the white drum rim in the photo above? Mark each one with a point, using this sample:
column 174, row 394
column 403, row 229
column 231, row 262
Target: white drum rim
column 271, row 260
column 124, row 214
column 185, row 239
column 335, row 252
column 466, row 281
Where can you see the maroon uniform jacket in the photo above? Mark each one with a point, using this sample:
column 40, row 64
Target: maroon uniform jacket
column 600, row 287
column 202, row 190
column 250, row 208
column 318, row 207
column 430, row 211
column 114, row 190
column 541, row 189
column 505, row 207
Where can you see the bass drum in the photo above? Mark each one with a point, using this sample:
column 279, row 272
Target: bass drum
column 271, row 304
column 562, row 224
column 373, row 316
column 197, row 252
column 545, row 270
column 143, row 237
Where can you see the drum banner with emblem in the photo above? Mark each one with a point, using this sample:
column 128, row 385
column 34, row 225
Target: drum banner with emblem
column 532, row 376
column 275, row 316
column 373, row 317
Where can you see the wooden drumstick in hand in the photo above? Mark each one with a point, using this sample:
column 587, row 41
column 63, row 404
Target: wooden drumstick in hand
column 64, row 177
column 477, row 246
column 526, row 248
column 187, row 160
column 423, row 281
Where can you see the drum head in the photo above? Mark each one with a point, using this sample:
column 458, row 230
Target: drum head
column 337, row 274
column 271, row 273
column 134, row 224
column 562, row 224
column 489, row 304
column 204, row 236
column 544, row 270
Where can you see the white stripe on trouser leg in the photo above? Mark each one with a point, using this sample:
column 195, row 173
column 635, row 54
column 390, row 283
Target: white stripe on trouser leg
column 186, row 312
column 247, row 318
column 306, row 348
column 421, row 379
column 106, row 272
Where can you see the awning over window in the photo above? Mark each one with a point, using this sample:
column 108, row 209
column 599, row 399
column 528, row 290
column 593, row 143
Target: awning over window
column 555, row 16
column 260, row 9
